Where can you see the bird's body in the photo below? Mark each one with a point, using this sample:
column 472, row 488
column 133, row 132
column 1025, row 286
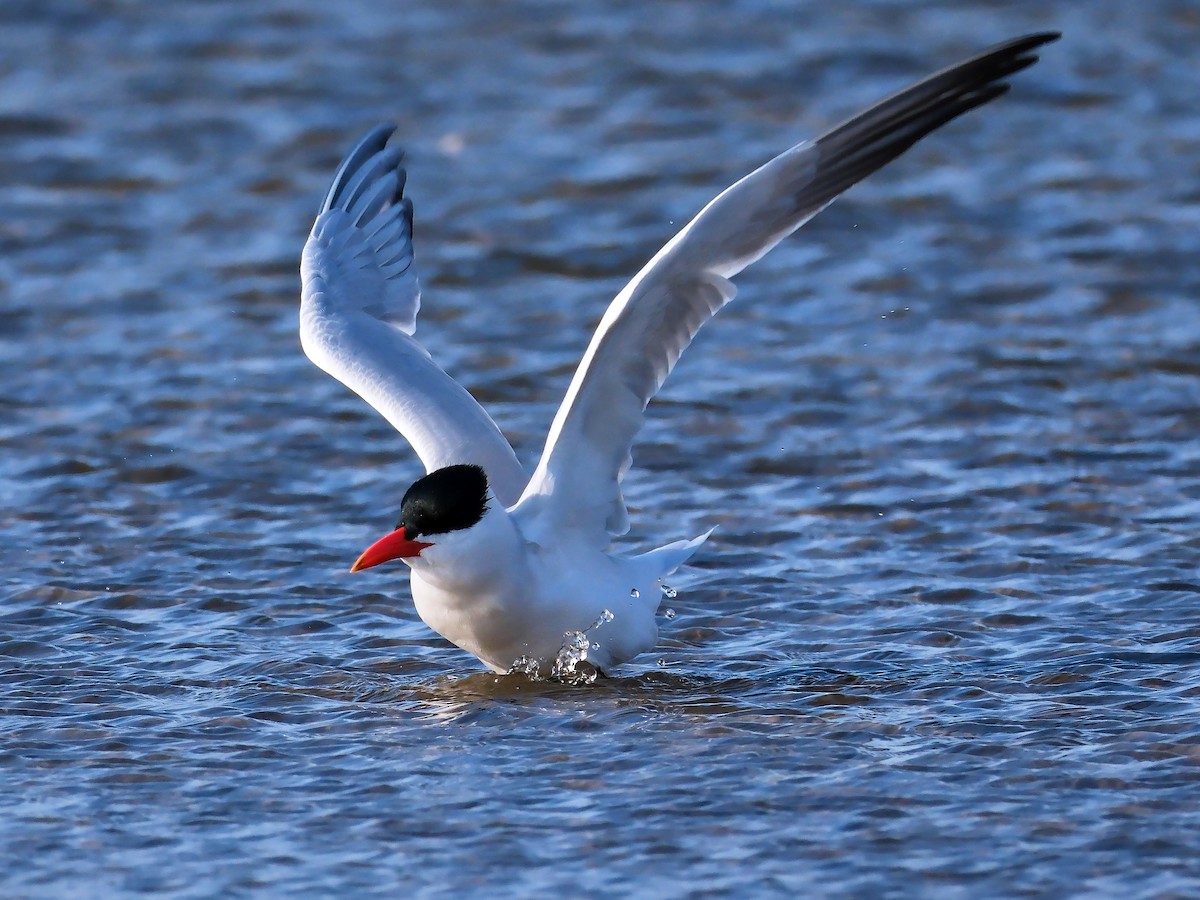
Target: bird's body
column 513, row 565
column 505, row 597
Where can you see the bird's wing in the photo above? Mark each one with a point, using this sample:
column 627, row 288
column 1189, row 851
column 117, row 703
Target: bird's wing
column 358, row 312
column 576, row 485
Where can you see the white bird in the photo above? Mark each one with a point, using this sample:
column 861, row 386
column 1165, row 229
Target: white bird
column 509, row 566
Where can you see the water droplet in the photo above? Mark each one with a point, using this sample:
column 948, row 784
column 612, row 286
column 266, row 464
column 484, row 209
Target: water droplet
column 669, row 592
column 601, row 620
column 662, row 662
column 571, row 655
column 530, row 668
column 669, row 613
column 635, row 593
column 572, row 666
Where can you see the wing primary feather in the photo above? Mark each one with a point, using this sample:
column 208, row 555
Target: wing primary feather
column 378, row 172
column 390, row 228
column 372, row 199
column 371, row 143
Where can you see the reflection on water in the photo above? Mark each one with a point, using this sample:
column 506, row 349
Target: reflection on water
column 945, row 638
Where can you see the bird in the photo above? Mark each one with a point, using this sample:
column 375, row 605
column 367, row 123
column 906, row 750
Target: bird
column 519, row 569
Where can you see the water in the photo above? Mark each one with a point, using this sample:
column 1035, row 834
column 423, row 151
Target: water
column 946, row 638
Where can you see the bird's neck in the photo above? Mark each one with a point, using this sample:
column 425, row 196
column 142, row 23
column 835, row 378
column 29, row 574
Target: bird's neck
column 489, row 556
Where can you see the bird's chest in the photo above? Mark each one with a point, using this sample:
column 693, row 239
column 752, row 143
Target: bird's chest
column 490, row 620
column 528, row 614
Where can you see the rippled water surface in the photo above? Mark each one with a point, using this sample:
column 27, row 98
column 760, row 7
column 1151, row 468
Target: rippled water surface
column 946, row 639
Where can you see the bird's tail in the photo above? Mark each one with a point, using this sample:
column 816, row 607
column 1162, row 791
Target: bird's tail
column 662, row 561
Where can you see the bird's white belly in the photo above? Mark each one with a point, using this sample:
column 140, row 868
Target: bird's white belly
column 503, row 622
column 485, row 622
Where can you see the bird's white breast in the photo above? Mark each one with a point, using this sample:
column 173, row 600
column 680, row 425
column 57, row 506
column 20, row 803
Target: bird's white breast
column 492, row 593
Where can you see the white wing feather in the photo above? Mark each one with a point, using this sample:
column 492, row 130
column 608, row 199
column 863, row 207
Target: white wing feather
column 358, row 312
column 576, row 486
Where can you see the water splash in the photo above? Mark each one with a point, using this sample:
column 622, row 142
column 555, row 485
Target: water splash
column 571, row 666
column 528, row 667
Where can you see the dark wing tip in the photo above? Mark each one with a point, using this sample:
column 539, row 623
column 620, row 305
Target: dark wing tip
column 1017, row 49
column 1037, row 39
column 1012, row 56
column 870, row 140
column 370, row 144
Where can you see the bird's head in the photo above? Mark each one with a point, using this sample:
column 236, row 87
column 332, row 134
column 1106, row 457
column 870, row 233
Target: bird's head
column 446, row 500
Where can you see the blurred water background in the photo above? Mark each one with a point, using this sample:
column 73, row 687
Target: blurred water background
column 946, row 639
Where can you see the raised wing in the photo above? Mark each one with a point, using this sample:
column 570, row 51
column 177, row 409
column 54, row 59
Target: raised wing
column 358, row 311
column 576, row 485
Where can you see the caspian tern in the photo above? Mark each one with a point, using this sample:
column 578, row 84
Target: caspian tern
column 504, row 565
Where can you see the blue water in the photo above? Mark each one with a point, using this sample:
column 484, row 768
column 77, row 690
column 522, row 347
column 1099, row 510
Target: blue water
column 946, row 639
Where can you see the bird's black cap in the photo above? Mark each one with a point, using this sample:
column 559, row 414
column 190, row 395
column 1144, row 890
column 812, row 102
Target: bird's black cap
column 447, row 499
